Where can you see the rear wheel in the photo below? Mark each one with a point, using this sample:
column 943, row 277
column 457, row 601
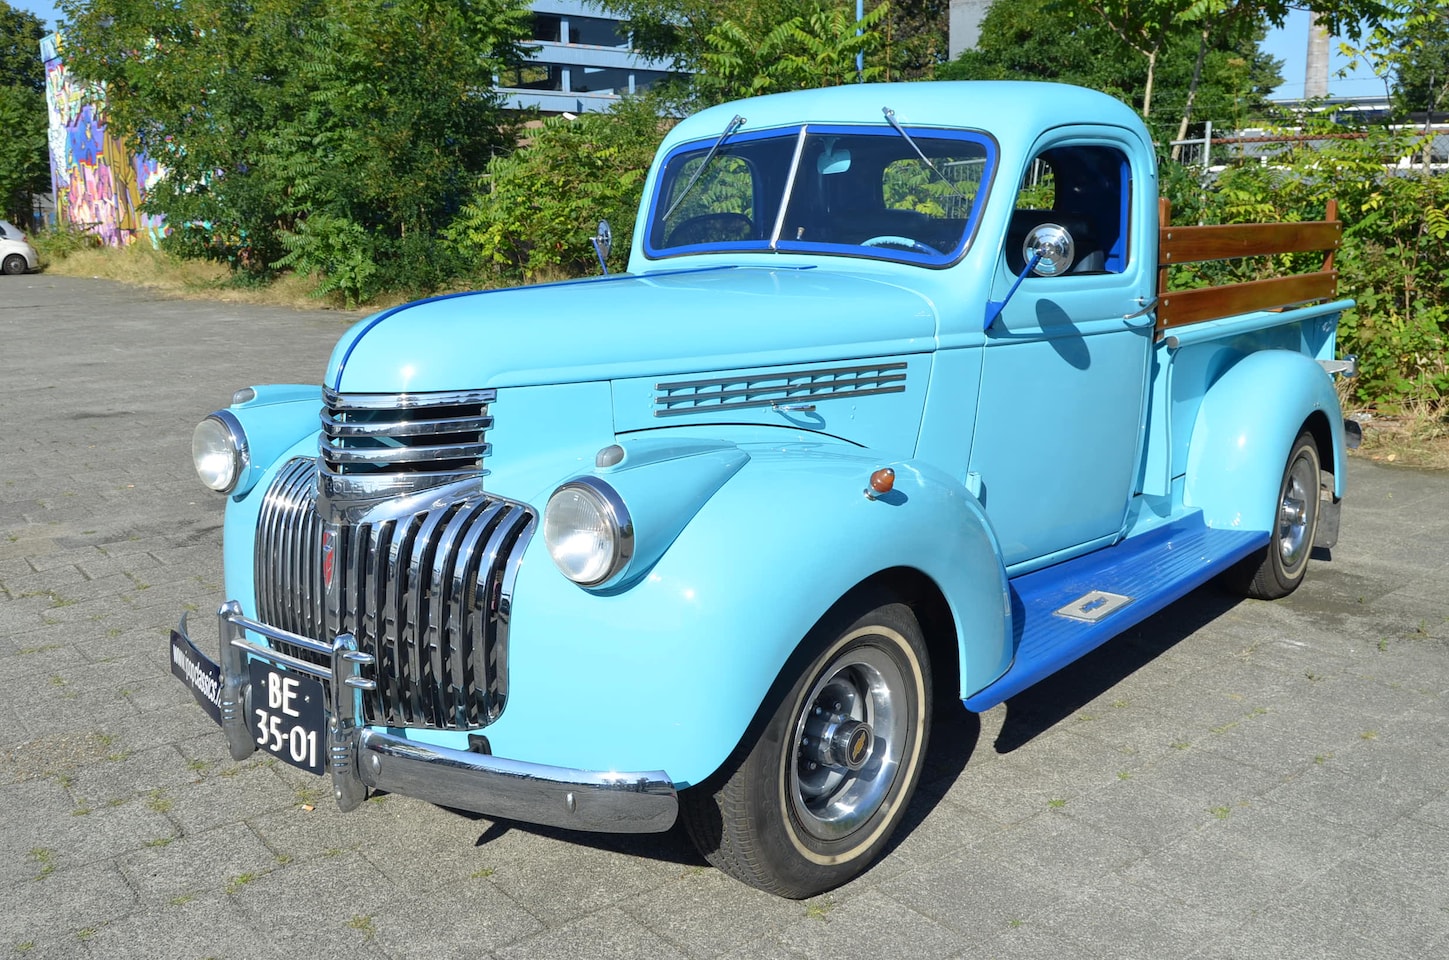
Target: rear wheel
column 815, row 798
column 14, row 264
column 1279, row 568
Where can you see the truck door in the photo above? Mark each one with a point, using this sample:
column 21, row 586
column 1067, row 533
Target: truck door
column 1059, row 429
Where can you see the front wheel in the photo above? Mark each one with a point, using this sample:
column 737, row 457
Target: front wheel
column 815, row 798
column 14, row 265
column 1277, row 570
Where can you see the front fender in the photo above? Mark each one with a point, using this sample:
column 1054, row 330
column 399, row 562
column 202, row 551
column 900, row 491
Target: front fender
column 668, row 673
column 1244, row 430
column 274, row 419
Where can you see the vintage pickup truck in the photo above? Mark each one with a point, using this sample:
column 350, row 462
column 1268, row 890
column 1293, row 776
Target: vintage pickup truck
column 892, row 407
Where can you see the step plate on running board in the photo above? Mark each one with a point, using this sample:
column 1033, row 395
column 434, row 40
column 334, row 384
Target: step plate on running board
column 1094, row 606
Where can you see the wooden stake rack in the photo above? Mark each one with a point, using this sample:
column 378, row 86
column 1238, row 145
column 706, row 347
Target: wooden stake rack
column 1194, row 244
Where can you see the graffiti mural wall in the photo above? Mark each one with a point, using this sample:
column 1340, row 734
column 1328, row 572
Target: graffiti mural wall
column 99, row 181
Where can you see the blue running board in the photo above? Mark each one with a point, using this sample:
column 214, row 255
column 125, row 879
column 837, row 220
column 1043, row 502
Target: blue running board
column 1153, row 569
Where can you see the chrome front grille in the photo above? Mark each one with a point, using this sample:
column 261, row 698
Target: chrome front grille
column 374, row 446
column 429, row 594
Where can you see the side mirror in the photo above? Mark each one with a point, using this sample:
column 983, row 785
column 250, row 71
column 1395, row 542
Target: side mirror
column 1052, row 247
column 603, row 241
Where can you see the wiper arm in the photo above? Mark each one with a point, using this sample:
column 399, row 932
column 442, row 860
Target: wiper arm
column 890, row 116
column 730, row 128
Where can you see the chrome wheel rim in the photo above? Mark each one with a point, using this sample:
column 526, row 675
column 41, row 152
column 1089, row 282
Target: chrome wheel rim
column 1295, row 512
column 849, row 736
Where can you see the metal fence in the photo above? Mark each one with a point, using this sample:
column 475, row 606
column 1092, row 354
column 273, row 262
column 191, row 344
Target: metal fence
column 1212, row 153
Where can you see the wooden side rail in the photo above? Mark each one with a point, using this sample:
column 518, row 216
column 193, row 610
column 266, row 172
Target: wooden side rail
column 1193, row 244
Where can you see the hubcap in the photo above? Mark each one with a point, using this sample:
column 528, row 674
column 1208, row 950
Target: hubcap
column 1295, row 512
column 849, row 737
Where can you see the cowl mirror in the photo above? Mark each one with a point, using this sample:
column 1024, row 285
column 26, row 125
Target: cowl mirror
column 1052, row 247
column 603, row 241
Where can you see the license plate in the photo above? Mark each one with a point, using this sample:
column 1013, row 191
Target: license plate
column 289, row 720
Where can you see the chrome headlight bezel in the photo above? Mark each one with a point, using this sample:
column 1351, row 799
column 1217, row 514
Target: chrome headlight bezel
column 608, row 555
column 219, row 451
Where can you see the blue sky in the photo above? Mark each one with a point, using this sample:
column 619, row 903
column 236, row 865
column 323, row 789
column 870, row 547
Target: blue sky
column 1289, row 44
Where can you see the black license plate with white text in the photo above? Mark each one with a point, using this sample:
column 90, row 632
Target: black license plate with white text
column 289, row 717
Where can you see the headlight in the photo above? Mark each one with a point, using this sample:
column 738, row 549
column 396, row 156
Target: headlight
column 219, row 450
column 588, row 532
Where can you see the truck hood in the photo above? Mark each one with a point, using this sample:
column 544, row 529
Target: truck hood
column 631, row 326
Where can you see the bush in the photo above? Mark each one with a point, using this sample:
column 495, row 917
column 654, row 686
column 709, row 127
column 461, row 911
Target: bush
column 535, row 209
column 60, row 240
column 1393, row 260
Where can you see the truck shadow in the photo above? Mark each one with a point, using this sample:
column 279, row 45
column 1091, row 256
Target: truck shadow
column 1042, row 706
column 955, row 733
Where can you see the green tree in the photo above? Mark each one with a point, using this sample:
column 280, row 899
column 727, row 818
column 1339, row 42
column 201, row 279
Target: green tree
column 332, row 137
column 1411, row 53
column 20, row 36
column 733, row 48
column 814, row 50
column 24, row 161
column 1039, row 40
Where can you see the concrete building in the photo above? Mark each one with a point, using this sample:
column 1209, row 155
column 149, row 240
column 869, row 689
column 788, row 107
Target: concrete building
column 584, row 61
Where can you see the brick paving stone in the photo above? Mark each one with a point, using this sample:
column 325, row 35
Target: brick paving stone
column 1228, row 779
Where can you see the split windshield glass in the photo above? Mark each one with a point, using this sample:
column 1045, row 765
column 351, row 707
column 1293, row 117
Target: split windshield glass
column 847, row 191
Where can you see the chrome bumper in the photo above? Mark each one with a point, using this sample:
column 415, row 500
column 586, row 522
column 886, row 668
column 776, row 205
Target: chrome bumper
column 361, row 758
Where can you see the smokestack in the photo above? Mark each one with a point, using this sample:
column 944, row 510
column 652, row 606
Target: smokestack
column 1315, row 77
column 965, row 25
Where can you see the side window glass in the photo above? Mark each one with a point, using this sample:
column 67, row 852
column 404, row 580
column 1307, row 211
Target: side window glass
column 1084, row 189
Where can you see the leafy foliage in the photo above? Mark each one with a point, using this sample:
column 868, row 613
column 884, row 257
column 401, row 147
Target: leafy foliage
column 371, row 117
column 736, row 48
column 535, row 209
column 1040, row 40
column 1394, row 257
column 817, row 49
column 24, row 162
column 20, row 35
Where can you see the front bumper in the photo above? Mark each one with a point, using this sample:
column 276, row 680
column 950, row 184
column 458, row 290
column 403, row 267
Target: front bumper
column 360, row 758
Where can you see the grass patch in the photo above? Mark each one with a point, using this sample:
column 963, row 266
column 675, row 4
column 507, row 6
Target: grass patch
column 364, row 924
column 235, row 884
column 46, row 858
column 820, row 909
column 1418, row 436
column 140, row 265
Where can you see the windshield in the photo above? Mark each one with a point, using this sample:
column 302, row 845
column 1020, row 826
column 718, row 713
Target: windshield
column 852, row 191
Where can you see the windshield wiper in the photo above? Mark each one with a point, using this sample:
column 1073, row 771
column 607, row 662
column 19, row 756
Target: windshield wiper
column 890, row 116
column 730, row 128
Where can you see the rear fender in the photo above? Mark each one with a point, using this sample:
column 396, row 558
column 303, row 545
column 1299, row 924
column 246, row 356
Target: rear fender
column 1244, row 430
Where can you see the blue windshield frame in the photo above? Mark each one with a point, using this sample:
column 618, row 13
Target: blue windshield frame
column 936, row 260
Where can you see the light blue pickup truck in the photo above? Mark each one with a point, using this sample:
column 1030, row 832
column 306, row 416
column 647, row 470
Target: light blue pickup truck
column 892, row 407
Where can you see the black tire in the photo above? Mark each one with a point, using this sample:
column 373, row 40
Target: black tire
column 813, row 800
column 1278, row 569
column 13, row 265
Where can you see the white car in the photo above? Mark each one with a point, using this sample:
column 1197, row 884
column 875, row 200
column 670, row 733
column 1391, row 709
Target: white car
column 16, row 253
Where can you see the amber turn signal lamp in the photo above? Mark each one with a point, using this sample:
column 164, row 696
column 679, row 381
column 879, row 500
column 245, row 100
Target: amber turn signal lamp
column 881, row 482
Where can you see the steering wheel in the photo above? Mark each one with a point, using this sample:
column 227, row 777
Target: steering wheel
column 711, row 228
column 915, row 246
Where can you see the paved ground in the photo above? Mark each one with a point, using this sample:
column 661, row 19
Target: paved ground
column 1229, row 780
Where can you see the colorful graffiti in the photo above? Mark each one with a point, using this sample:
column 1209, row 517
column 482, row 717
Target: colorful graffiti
column 99, row 182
